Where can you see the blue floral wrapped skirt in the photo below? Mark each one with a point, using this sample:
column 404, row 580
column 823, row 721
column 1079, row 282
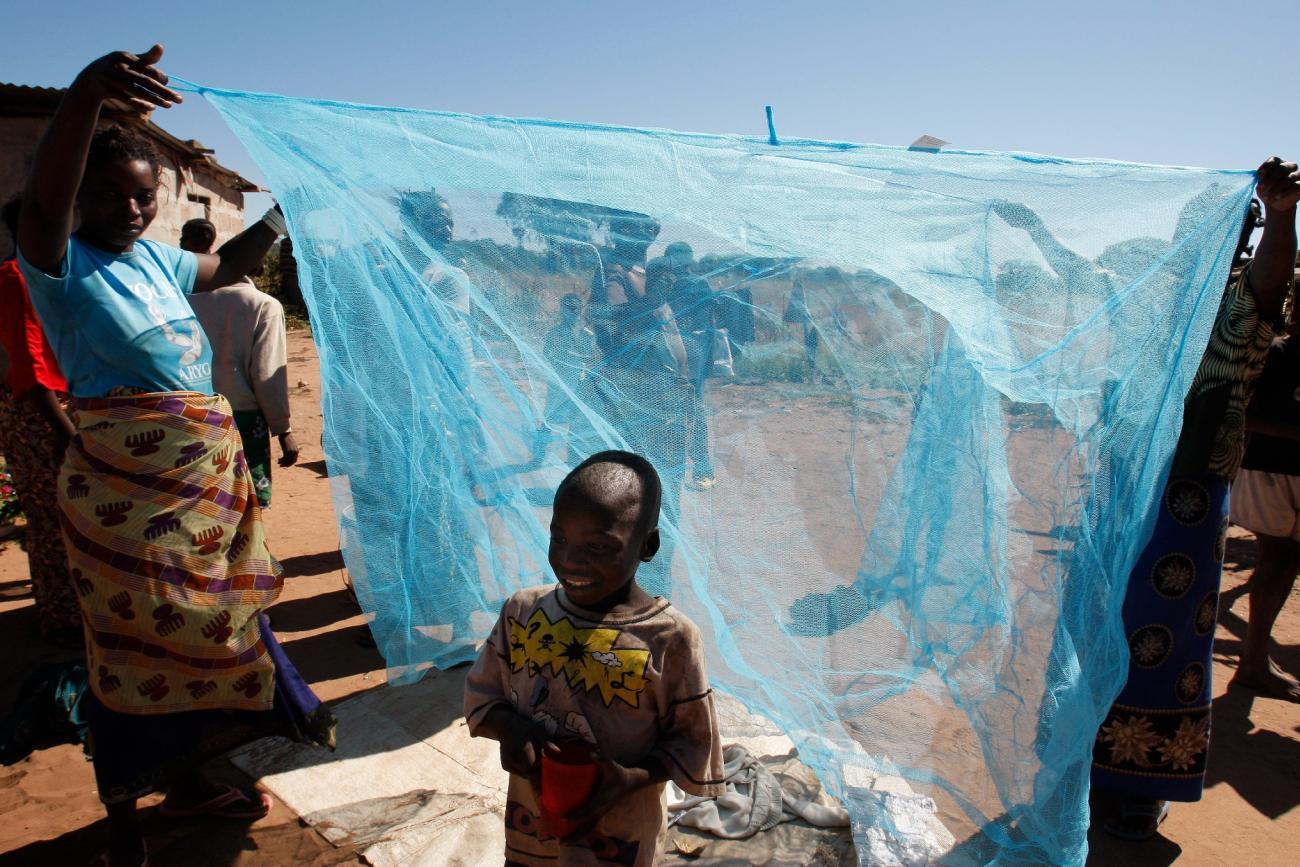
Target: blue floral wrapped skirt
column 1154, row 741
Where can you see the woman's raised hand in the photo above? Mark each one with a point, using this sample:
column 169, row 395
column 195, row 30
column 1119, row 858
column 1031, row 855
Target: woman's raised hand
column 132, row 78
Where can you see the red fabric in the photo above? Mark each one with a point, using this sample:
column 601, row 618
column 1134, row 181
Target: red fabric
column 31, row 360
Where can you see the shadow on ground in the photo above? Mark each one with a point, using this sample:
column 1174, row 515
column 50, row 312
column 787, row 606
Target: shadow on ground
column 194, row 844
column 279, row 839
column 314, row 612
column 317, row 467
column 312, row 564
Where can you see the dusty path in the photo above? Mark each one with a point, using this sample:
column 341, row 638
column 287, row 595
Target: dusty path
column 52, row 816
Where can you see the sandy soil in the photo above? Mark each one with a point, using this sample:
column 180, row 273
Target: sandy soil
column 52, row 815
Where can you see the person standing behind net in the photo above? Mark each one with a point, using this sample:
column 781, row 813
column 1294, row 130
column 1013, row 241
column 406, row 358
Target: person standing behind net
column 570, row 349
column 426, row 243
column 1151, row 747
column 164, row 537
column 1266, row 501
column 34, row 432
column 249, row 361
column 642, row 385
column 695, row 311
column 797, row 313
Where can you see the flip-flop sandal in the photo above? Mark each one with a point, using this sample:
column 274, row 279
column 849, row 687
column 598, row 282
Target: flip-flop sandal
column 232, row 803
column 1154, row 811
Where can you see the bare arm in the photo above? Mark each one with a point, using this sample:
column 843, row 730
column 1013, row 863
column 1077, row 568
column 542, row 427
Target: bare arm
column 614, row 293
column 500, row 721
column 1278, row 186
column 46, row 221
column 46, row 403
column 673, row 337
column 1064, row 261
column 235, row 259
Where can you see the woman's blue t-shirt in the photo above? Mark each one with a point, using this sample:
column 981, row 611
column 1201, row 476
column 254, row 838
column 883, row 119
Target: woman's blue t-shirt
column 123, row 319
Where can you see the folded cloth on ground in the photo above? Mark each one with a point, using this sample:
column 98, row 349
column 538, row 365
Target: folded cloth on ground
column 754, row 801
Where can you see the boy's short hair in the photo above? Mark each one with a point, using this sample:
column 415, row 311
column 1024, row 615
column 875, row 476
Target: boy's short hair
column 651, row 487
column 114, row 143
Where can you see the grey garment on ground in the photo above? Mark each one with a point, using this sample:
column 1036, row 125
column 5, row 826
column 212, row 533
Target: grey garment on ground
column 754, row 801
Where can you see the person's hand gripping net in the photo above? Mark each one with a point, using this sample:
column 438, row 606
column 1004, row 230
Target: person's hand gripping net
column 1277, row 184
column 131, row 78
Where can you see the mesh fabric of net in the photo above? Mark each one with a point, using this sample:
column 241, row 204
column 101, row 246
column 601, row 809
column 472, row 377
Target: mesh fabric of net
column 956, row 386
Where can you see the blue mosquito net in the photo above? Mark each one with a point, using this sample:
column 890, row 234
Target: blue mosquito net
column 911, row 425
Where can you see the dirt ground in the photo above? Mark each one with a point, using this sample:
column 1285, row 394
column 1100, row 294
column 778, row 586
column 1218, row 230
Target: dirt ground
column 52, row 816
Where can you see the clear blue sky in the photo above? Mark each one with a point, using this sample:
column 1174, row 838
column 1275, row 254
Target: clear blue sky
column 1194, row 83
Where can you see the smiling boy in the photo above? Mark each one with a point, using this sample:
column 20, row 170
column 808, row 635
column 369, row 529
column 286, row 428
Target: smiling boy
column 596, row 658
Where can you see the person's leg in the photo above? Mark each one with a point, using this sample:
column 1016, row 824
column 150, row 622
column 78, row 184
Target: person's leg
column 191, row 790
column 1135, row 818
column 539, row 446
column 196, row 795
column 655, row 428
column 1271, row 584
column 255, row 437
column 35, row 468
column 697, row 443
column 556, row 413
column 125, row 842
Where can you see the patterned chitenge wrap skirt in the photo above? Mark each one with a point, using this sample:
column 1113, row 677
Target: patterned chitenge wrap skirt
column 1154, row 742
column 168, row 557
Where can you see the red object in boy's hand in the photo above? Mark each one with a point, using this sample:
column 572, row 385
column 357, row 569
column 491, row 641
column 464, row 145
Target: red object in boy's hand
column 569, row 773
